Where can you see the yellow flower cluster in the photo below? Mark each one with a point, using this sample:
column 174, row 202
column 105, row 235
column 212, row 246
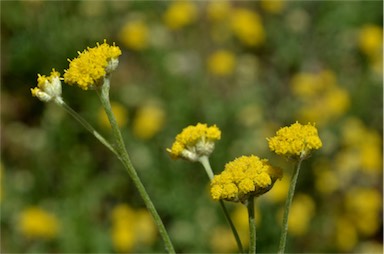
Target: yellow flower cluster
column 48, row 88
column 243, row 177
column 194, row 142
column 221, row 63
column 135, row 35
column 296, row 140
column 131, row 227
column 247, row 27
column 149, row 121
column 35, row 222
column 322, row 98
column 88, row 69
column 370, row 42
column 180, row 14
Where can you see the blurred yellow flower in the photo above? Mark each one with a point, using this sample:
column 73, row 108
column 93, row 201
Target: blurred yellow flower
column 301, row 214
column 244, row 177
column 93, row 64
column 222, row 240
column 247, row 27
column 180, row 13
column 370, row 40
column 134, row 35
column 346, row 235
column 194, row 142
column 363, row 207
column 218, row 11
column 48, row 88
column 296, row 140
column 149, row 121
column 120, row 113
column 221, row 63
column 34, row 222
column 322, row 99
column 131, row 228
column 364, row 144
column 272, row 6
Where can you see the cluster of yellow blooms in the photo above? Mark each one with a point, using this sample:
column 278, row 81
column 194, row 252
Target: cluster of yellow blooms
column 370, row 42
column 131, row 227
column 194, row 142
column 48, row 88
column 295, row 141
column 86, row 71
column 35, row 222
column 92, row 65
column 322, row 98
column 243, row 177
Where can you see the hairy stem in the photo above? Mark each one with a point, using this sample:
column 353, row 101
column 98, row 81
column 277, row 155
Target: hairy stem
column 288, row 202
column 124, row 158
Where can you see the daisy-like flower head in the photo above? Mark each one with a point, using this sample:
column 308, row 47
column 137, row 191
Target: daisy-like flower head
column 92, row 65
column 194, row 142
column 48, row 88
column 244, row 177
column 295, row 141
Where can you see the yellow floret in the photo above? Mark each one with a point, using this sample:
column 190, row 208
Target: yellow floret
column 92, row 65
column 296, row 140
column 243, row 177
column 195, row 141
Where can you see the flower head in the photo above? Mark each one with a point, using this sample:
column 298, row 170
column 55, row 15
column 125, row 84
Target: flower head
column 135, row 35
column 35, row 222
column 247, row 27
column 93, row 64
column 296, row 140
column 244, row 177
column 48, row 88
column 180, row 14
column 194, row 142
column 221, row 63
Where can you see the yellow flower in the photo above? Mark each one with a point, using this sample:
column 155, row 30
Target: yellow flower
column 48, row 88
column 296, row 140
column 221, row 63
column 180, row 14
column 135, row 35
column 92, row 65
column 273, row 6
column 243, row 177
column 301, row 214
column 370, row 40
column 149, row 120
column 218, row 10
column 364, row 209
column 346, row 235
column 120, row 113
column 247, row 27
column 194, row 142
column 131, row 227
column 35, row 222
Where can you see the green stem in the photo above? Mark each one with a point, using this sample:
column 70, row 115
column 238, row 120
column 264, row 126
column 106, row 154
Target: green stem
column 288, row 202
column 86, row 125
column 252, row 225
column 124, row 158
column 207, row 166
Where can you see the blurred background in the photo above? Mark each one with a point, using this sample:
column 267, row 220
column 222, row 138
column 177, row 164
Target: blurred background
column 248, row 67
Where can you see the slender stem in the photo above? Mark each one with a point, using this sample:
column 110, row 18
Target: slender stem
column 86, row 125
column 124, row 158
column 288, row 202
column 232, row 226
column 207, row 166
column 252, row 225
